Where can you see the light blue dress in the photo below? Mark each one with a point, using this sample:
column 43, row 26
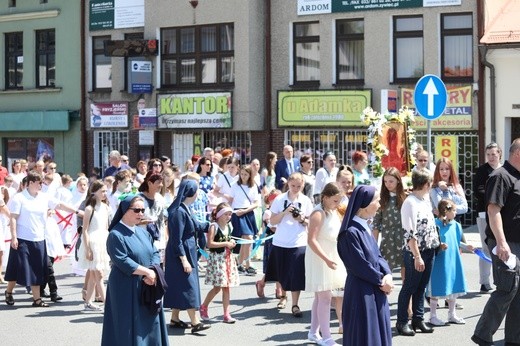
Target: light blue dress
column 447, row 279
column 127, row 321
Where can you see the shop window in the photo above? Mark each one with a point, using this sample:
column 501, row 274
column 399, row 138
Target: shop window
column 13, row 60
column 306, row 53
column 102, row 65
column 408, row 49
column 457, row 47
column 45, row 58
column 198, row 56
column 30, row 149
column 350, row 51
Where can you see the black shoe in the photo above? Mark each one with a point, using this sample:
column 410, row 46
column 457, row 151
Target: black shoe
column 199, row 327
column 55, row 297
column 44, row 294
column 481, row 342
column 419, row 324
column 404, row 329
column 485, row 288
column 251, row 271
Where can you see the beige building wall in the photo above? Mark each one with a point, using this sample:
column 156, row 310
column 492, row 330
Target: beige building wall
column 378, row 46
column 247, row 16
column 507, row 69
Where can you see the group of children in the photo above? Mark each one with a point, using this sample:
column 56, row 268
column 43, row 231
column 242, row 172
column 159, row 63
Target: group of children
column 447, row 281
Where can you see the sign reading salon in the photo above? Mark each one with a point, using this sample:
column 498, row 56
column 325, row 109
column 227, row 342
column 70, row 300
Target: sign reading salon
column 195, row 110
column 109, row 114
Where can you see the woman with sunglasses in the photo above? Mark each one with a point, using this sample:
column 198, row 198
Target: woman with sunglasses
column 155, row 165
column 204, row 169
column 135, row 265
column 154, row 220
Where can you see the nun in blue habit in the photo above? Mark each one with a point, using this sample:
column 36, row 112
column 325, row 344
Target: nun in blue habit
column 366, row 313
column 127, row 321
column 182, row 275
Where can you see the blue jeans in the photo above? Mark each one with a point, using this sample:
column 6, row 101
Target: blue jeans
column 414, row 286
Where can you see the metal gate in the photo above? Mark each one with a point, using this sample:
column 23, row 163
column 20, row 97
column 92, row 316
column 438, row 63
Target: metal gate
column 182, row 148
column 238, row 141
column 105, row 142
column 344, row 142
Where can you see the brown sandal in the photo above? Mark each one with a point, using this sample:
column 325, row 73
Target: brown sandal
column 283, row 301
column 40, row 303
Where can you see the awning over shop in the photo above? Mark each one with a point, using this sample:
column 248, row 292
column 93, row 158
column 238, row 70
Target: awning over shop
column 34, row 121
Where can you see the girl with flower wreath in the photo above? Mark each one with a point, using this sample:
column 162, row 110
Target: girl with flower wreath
column 221, row 270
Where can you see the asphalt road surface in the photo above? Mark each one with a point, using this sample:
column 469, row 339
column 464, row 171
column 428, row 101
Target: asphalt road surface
column 259, row 321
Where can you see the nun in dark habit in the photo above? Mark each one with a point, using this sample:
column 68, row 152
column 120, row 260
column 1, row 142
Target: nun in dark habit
column 366, row 313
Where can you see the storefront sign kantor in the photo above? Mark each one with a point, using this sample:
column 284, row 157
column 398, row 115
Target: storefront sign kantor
column 194, row 110
column 322, row 108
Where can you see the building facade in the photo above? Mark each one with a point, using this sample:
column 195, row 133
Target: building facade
column 500, row 54
column 202, row 85
column 40, row 84
column 331, row 59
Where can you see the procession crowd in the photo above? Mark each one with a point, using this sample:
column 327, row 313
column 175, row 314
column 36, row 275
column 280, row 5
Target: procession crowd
column 330, row 231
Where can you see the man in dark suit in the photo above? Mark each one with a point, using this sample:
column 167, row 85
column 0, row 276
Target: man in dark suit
column 285, row 167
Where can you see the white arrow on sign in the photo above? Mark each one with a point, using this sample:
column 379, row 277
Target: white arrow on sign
column 430, row 91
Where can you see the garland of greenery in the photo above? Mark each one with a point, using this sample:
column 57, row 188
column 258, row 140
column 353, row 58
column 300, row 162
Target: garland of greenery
column 377, row 150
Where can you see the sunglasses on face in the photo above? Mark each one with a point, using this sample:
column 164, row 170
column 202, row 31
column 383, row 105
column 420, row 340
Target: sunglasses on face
column 157, row 164
column 138, row 210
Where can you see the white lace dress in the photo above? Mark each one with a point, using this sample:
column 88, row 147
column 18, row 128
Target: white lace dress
column 98, row 233
column 318, row 276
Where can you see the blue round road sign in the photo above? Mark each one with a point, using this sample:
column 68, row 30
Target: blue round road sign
column 430, row 97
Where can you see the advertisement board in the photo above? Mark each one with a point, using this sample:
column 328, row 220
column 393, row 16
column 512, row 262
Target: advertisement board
column 322, row 108
column 195, row 110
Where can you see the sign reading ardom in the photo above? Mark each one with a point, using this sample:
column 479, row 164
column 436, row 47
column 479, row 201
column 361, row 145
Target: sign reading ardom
column 322, row 108
column 194, row 110
column 307, row 7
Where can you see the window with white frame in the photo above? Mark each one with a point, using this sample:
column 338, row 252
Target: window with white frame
column 202, row 56
column 45, row 58
column 350, row 51
column 408, row 48
column 14, row 60
column 306, row 53
column 457, row 47
column 102, row 65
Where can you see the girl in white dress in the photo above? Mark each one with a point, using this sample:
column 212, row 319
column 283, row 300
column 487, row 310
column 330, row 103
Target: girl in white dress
column 93, row 254
column 324, row 270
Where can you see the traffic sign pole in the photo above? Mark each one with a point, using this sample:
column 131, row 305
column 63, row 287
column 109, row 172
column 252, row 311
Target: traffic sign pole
column 430, row 98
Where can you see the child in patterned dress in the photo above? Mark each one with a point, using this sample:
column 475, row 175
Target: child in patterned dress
column 221, row 270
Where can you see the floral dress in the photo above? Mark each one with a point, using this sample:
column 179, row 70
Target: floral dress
column 206, row 183
column 221, row 270
column 388, row 223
